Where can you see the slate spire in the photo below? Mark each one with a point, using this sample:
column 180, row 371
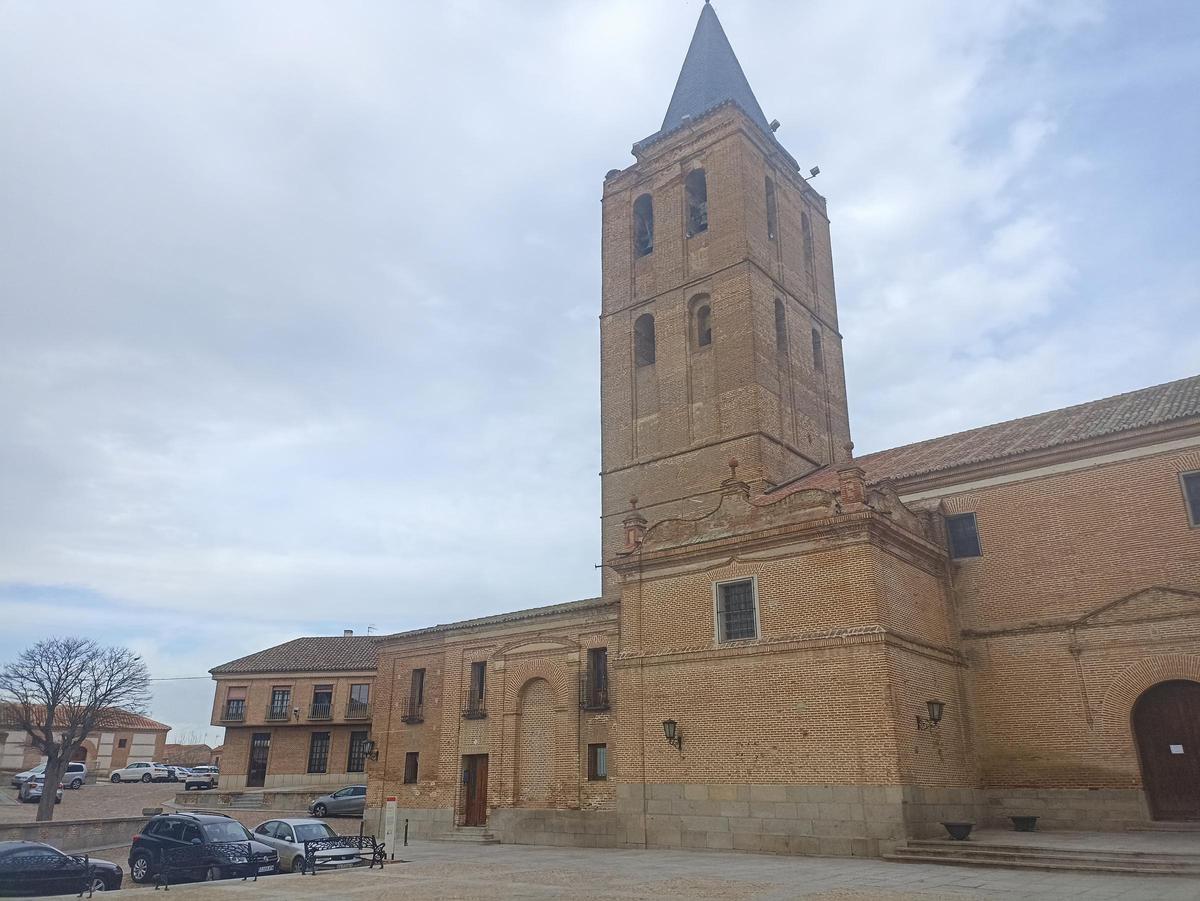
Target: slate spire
column 711, row 74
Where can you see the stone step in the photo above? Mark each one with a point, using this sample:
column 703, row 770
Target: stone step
column 1164, row 826
column 1051, row 859
column 469, row 834
column 997, row 847
column 246, row 802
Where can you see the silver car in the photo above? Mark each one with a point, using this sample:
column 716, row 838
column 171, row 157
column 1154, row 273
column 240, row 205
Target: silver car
column 350, row 801
column 32, row 789
column 73, row 778
column 288, row 838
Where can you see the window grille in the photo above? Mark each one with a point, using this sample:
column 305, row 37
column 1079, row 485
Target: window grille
column 736, row 617
column 318, row 752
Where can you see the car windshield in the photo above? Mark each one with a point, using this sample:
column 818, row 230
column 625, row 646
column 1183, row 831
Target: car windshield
column 225, row 832
column 313, row 832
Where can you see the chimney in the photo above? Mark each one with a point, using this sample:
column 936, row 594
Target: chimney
column 346, row 633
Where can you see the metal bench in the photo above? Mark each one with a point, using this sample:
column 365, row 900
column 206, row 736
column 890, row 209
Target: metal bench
column 368, row 850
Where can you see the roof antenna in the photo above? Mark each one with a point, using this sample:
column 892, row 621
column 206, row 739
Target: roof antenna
column 371, row 628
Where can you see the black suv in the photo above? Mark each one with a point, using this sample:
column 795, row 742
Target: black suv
column 198, row 846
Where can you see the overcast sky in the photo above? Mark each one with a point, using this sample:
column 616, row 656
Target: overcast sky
column 298, row 324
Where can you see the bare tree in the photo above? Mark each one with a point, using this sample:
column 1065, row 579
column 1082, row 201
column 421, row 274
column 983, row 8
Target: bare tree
column 62, row 689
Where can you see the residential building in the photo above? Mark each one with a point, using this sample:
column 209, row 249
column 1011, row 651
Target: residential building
column 188, row 755
column 298, row 713
column 122, row 738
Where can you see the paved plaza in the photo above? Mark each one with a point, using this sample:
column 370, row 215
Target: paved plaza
column 445, row 870
column 100, row 799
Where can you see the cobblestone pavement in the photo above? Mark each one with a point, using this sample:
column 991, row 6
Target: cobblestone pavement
column 101, row 799
column 444, row 870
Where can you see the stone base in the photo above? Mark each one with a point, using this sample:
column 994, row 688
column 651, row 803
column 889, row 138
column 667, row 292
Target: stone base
column 570, row 828
column 423, row 822
column 1072, row 809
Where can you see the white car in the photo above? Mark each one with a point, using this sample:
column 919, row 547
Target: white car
column 200, row 777
column 141, row 772
column 288, row 838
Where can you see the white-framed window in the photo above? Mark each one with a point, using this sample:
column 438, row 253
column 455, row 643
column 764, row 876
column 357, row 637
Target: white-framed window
column 735, row 604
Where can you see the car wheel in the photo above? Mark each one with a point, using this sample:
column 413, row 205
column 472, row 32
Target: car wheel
column 139, row 868
column 76, row 783
column 320, row 810
column 98, row 885
column 116, row 777
column 298, row 864
column 212, row 874
column 145, row 777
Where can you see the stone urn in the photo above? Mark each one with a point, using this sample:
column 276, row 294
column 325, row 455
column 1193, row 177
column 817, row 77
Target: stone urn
column 1024, row 824
column 959, row 831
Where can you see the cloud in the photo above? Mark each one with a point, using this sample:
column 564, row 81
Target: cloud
column 298, row 320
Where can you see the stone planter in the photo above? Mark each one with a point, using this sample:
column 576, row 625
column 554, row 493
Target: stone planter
column 959, row 831
column 1024, row 824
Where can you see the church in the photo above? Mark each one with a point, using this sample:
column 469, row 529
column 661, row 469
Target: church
column 796, row 650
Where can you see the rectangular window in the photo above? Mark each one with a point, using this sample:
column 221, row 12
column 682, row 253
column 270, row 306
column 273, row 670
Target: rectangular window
column 359, row 704
column 281, row 702
column 963, row 533
column 737, row 617
column 410, row 767
column 597, row 762
column 121, row 742
column 322, row 703
column 235, row 704
column 416, row 692
column 595, row 680
column 318, row 752
column 1191, row 492
column 478, row 681
column 356, row 761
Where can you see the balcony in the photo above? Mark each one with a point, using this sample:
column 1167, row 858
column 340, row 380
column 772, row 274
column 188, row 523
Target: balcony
column 358, row 710
column 414, row 712
column 320, row 711
column 234, row 712
column 277, row 712
column 475, row 710
column 593, row 690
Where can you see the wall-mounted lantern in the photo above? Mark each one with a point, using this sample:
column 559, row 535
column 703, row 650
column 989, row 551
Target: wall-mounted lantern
column 370, row 750
column 671, row 732
column 935, row 716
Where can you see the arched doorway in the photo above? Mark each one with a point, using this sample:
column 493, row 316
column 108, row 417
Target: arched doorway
column 80, row 754
column 1166, row 724
column 535, row 743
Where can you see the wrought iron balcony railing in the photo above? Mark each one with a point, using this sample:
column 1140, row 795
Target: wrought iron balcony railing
column 235, row 711
column 322, row 711
column 278, row 711
column 593, row 690
column 414, row 712
column 475, row 709
column 358, row 710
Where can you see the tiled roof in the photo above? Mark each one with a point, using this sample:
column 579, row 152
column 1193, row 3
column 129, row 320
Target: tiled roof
column 317, row 653
column 114, row 718
column 514, row 616
column 1148, row 407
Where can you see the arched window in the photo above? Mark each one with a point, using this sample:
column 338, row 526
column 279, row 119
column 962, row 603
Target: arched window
column 772, row 212
column 818, row 350
column 780, row 327
column 703, row 320
column 695, row 190
column 643, row 225
column 806, row 227
column 643, row 340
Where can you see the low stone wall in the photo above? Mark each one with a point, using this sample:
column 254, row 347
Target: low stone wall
column 570, row 828
column 287, row 800
column 423, row 822
column 75, row 835
column 825, row 820
column 1091, row 810
column 926, row 807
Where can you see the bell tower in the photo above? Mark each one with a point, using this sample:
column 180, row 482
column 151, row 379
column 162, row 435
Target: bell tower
column 718, row 330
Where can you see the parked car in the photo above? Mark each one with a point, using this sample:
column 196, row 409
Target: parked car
column 141, row 772
column 74, row 776
column 177, row 773
column 199, row 777
column 35, row 870
column 348, row 801
column 288, row 838
column 198, row 846
column 32, row 790
column 208, row 771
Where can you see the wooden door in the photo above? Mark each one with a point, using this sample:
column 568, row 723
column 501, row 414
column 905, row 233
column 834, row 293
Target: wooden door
column 475, row 770
column 1166, row 723
column 260, row 750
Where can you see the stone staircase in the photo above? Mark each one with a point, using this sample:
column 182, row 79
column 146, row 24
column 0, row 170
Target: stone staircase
column 1048, row 857
column 476, row 834
column 245, row 802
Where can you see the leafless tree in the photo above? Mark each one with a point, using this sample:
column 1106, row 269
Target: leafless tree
column 62, row 689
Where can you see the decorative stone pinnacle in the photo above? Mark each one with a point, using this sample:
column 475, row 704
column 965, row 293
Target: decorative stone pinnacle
column 733, row 465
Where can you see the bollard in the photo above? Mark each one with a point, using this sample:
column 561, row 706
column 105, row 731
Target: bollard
column 406, row 832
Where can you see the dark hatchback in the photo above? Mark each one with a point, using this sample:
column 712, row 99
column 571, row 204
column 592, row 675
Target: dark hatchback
column 36, row 870
column 198, row 846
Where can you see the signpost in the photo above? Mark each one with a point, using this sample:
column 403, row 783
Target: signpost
column 389, row 827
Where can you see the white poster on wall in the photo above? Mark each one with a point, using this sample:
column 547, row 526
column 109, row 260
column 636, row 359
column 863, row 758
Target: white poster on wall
column 389, row 828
